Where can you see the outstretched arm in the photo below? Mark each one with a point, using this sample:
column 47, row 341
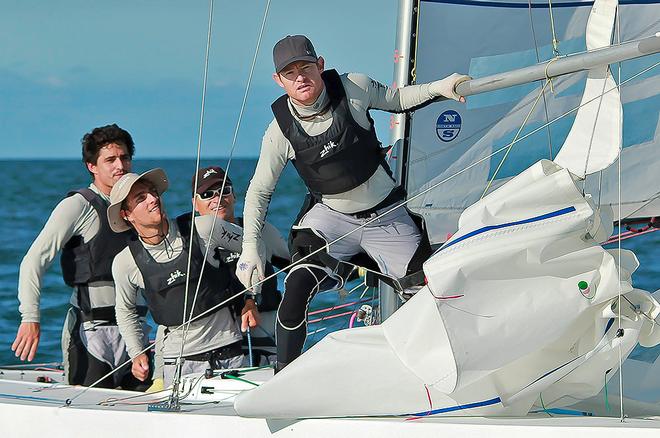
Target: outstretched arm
column 379, row 96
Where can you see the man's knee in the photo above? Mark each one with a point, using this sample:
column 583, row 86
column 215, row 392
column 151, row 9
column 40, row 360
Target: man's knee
column 299, row 287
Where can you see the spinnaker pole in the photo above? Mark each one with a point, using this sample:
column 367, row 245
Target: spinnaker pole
column 562, row 66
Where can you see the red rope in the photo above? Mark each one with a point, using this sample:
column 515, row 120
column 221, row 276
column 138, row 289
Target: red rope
column 316, row 312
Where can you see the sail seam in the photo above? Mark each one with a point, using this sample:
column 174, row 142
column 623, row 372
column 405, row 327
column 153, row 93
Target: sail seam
column 482, row 230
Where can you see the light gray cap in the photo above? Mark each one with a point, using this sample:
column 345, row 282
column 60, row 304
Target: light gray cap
column 121, row 190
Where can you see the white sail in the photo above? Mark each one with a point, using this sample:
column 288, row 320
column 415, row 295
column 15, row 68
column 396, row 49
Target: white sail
column 447, row 137
column 519, row 301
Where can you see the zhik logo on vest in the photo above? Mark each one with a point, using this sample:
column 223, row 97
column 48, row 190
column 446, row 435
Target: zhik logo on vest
column 328, row 147
column 174, row 275
column 448, row 125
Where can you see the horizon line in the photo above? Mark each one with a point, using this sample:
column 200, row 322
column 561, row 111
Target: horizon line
column 168, row 157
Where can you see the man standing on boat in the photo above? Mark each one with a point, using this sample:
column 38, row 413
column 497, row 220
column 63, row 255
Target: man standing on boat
column 78, row 226
column 322, row 124
column 155, row 264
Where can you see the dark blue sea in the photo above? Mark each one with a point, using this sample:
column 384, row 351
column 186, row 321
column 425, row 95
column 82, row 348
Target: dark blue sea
column 32, row 188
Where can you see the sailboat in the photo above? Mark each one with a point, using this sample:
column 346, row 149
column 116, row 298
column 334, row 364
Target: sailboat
column 524, row 314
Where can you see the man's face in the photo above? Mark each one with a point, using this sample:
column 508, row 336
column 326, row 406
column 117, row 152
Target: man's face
column 112, row 163
column 143, row 205
column 222, row 206
column 302, row 81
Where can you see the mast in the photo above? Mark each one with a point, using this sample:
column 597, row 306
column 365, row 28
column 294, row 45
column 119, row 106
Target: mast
column 403, row 75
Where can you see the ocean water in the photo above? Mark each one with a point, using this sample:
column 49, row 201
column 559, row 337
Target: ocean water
column 32, row 188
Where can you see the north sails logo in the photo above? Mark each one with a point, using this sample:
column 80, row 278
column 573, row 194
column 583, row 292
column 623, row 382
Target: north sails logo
column 328, row 147
column 174, row 275
column 209, row 173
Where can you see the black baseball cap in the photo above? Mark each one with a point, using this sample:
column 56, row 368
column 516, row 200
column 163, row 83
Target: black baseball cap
column 209, row 177
column 293, row 48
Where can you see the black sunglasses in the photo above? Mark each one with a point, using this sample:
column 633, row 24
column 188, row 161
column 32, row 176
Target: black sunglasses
column 210, row 194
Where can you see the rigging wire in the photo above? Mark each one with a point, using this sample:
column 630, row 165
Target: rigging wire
column 538, row 59
column 618, row 169
column 177, row 375
column 506, row 154
column 368, row 222
column 174, row 398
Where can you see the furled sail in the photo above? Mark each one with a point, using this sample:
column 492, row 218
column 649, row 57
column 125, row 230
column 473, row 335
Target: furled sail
column 521, row 300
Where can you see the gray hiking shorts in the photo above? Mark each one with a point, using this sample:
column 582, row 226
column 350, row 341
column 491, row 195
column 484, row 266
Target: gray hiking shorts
column 391, row 240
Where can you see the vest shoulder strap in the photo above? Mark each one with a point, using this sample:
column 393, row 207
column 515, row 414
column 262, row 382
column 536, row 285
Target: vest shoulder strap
column 333, row 86
column 282, row 114
column 90, row 196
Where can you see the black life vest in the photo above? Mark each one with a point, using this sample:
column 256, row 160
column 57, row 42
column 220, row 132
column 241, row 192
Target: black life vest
column 343, row 157
column 165, row 283
column 83, row 263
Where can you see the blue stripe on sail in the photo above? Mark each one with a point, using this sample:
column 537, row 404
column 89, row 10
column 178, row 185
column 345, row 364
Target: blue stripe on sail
column 492, row 401
column 560, row 411
column 511, row 224
column 496, row 4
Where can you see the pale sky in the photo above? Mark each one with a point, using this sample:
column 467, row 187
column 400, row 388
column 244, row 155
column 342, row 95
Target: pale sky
column 70, row 65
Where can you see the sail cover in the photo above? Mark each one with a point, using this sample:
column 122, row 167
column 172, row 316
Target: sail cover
column 492, row 36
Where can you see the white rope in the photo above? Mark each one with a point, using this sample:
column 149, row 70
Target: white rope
column 555, row 42
column 368, row 222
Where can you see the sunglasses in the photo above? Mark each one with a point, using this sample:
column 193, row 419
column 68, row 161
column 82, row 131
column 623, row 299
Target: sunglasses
column 210, row 194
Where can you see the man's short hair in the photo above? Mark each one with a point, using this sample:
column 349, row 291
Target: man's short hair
column 102, row 136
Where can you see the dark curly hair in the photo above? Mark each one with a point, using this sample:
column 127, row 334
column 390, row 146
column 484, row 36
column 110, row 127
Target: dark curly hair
column 93, row 141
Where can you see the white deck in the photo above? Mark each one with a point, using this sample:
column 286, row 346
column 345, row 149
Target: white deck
column 38, row 410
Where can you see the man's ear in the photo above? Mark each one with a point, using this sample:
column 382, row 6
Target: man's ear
column 278, row 80
column 321, row 64
column 194, row 201
column 92, row 168
column 124, row 215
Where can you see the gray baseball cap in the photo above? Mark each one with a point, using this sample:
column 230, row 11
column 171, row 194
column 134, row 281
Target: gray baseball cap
column 293, row 48
column 121, row 190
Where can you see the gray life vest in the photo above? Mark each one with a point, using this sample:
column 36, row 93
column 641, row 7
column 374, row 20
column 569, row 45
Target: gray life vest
column 270, row 297
column 165, row 283
column 343, row 157
column 86, row 262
